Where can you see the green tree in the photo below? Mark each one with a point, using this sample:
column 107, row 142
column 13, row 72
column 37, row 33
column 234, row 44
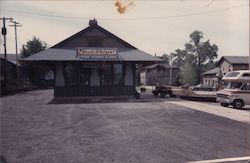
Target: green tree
column 33, row 46
column 188, row 74
column 198, row 53
column 165, row 58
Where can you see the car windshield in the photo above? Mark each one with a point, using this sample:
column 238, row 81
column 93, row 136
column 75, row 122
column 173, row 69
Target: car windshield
column 234, row 85
column 232, row 74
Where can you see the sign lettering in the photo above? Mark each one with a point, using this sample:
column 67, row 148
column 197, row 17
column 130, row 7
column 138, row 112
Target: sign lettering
column 96, row 52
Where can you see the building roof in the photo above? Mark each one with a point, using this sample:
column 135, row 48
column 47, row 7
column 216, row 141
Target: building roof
column 234, row 59
column 10, row 57
column 54, row 54
column 66, row 49
column 213, row 71
column 159, row 65
column 93, row 25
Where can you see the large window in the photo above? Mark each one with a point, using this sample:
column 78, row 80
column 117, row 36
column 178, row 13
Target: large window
column 106, row 74
column 77, row 74
column 71, row 73
column 111, row 74
column 84, row 75
column 118, row 74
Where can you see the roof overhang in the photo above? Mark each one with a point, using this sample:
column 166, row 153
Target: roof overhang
column 128, row 55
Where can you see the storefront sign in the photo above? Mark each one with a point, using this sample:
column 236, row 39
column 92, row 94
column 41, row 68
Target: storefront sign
column 96, row 52
column 101, row 65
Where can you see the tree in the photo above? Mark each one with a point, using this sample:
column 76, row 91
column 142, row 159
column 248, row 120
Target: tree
column 32, row 47
column 188, row 74
column 198, row 53
column 203, row 52
column 165, row 58
column 36, row 71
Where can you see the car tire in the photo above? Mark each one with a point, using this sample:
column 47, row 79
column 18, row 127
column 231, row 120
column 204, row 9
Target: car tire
column 224, row 104
column 156, row 94
column 163, row 95
column 238, row 104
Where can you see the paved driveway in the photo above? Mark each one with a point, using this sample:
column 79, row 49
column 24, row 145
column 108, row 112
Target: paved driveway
column 151, row 132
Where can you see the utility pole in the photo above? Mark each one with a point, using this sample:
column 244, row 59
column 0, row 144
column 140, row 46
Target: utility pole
column 4, row 33
column 170, row 78
column 16, row 24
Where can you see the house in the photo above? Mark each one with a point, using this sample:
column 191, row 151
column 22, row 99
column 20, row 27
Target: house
column 159, row 74
column 224, row 65
column 10, row 66
column 212, row 77
column 93, row 62
column 233, row 63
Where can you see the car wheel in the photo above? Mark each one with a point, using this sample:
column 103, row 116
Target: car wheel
column 163, row 95
column 155, row 94
column 238, row 104
column 224, row 104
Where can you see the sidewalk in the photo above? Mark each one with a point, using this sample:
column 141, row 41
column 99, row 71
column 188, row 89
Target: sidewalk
column 227, row 112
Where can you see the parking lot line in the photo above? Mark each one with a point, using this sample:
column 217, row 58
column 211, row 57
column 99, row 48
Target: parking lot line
column 237, row 115
column 246, row 158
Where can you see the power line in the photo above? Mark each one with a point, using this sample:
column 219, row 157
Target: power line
column 149, row 18
column 15, row 25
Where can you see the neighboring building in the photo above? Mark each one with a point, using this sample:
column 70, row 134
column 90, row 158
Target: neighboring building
column 10, row 66
column 158, row 74
column 224, row 65
column 233, row 63
column 212, row 77
column 93, row 62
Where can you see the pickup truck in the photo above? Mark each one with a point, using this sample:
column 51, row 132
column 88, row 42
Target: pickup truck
column 162, row 90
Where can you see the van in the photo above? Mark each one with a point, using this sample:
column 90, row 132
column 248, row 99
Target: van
column 237, row 90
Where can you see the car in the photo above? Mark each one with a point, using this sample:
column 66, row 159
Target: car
column 163, row 90
column 201, row 87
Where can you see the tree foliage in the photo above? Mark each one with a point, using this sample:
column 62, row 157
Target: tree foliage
column 188, row 74
column 33, row 46
column 165, row 58
column 198, row 54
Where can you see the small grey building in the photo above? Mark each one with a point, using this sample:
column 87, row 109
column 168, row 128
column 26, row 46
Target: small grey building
column 160, row 73
column 93, row 62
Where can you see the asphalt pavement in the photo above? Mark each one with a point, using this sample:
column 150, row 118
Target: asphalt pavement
column 124, row 132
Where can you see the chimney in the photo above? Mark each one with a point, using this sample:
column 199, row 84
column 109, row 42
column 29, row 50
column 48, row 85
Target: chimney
column 93, row 22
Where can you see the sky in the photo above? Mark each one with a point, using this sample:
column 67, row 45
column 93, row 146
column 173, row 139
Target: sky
column 154, row 26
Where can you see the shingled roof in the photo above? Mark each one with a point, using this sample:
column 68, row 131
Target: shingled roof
column 213, row 71
column 10, row 57
column 66, row 49
column 54, row 54
column 234, row 59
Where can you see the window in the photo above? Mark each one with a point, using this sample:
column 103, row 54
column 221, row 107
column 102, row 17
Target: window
column 106, row 74
column 234, row 85
column 246, row 87
column 118, row 74
column 84, row 75
column 71, row 73
column 232, row 74
column 246, row 75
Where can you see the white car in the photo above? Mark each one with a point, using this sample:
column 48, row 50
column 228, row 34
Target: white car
column 237, row 92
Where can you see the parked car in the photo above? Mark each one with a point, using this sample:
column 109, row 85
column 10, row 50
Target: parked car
column 163, row 90
column 201, row 87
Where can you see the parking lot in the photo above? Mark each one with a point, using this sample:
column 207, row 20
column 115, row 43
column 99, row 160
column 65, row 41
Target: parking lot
column 32, row 130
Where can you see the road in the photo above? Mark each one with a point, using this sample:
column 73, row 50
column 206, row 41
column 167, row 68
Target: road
column 150, row 132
